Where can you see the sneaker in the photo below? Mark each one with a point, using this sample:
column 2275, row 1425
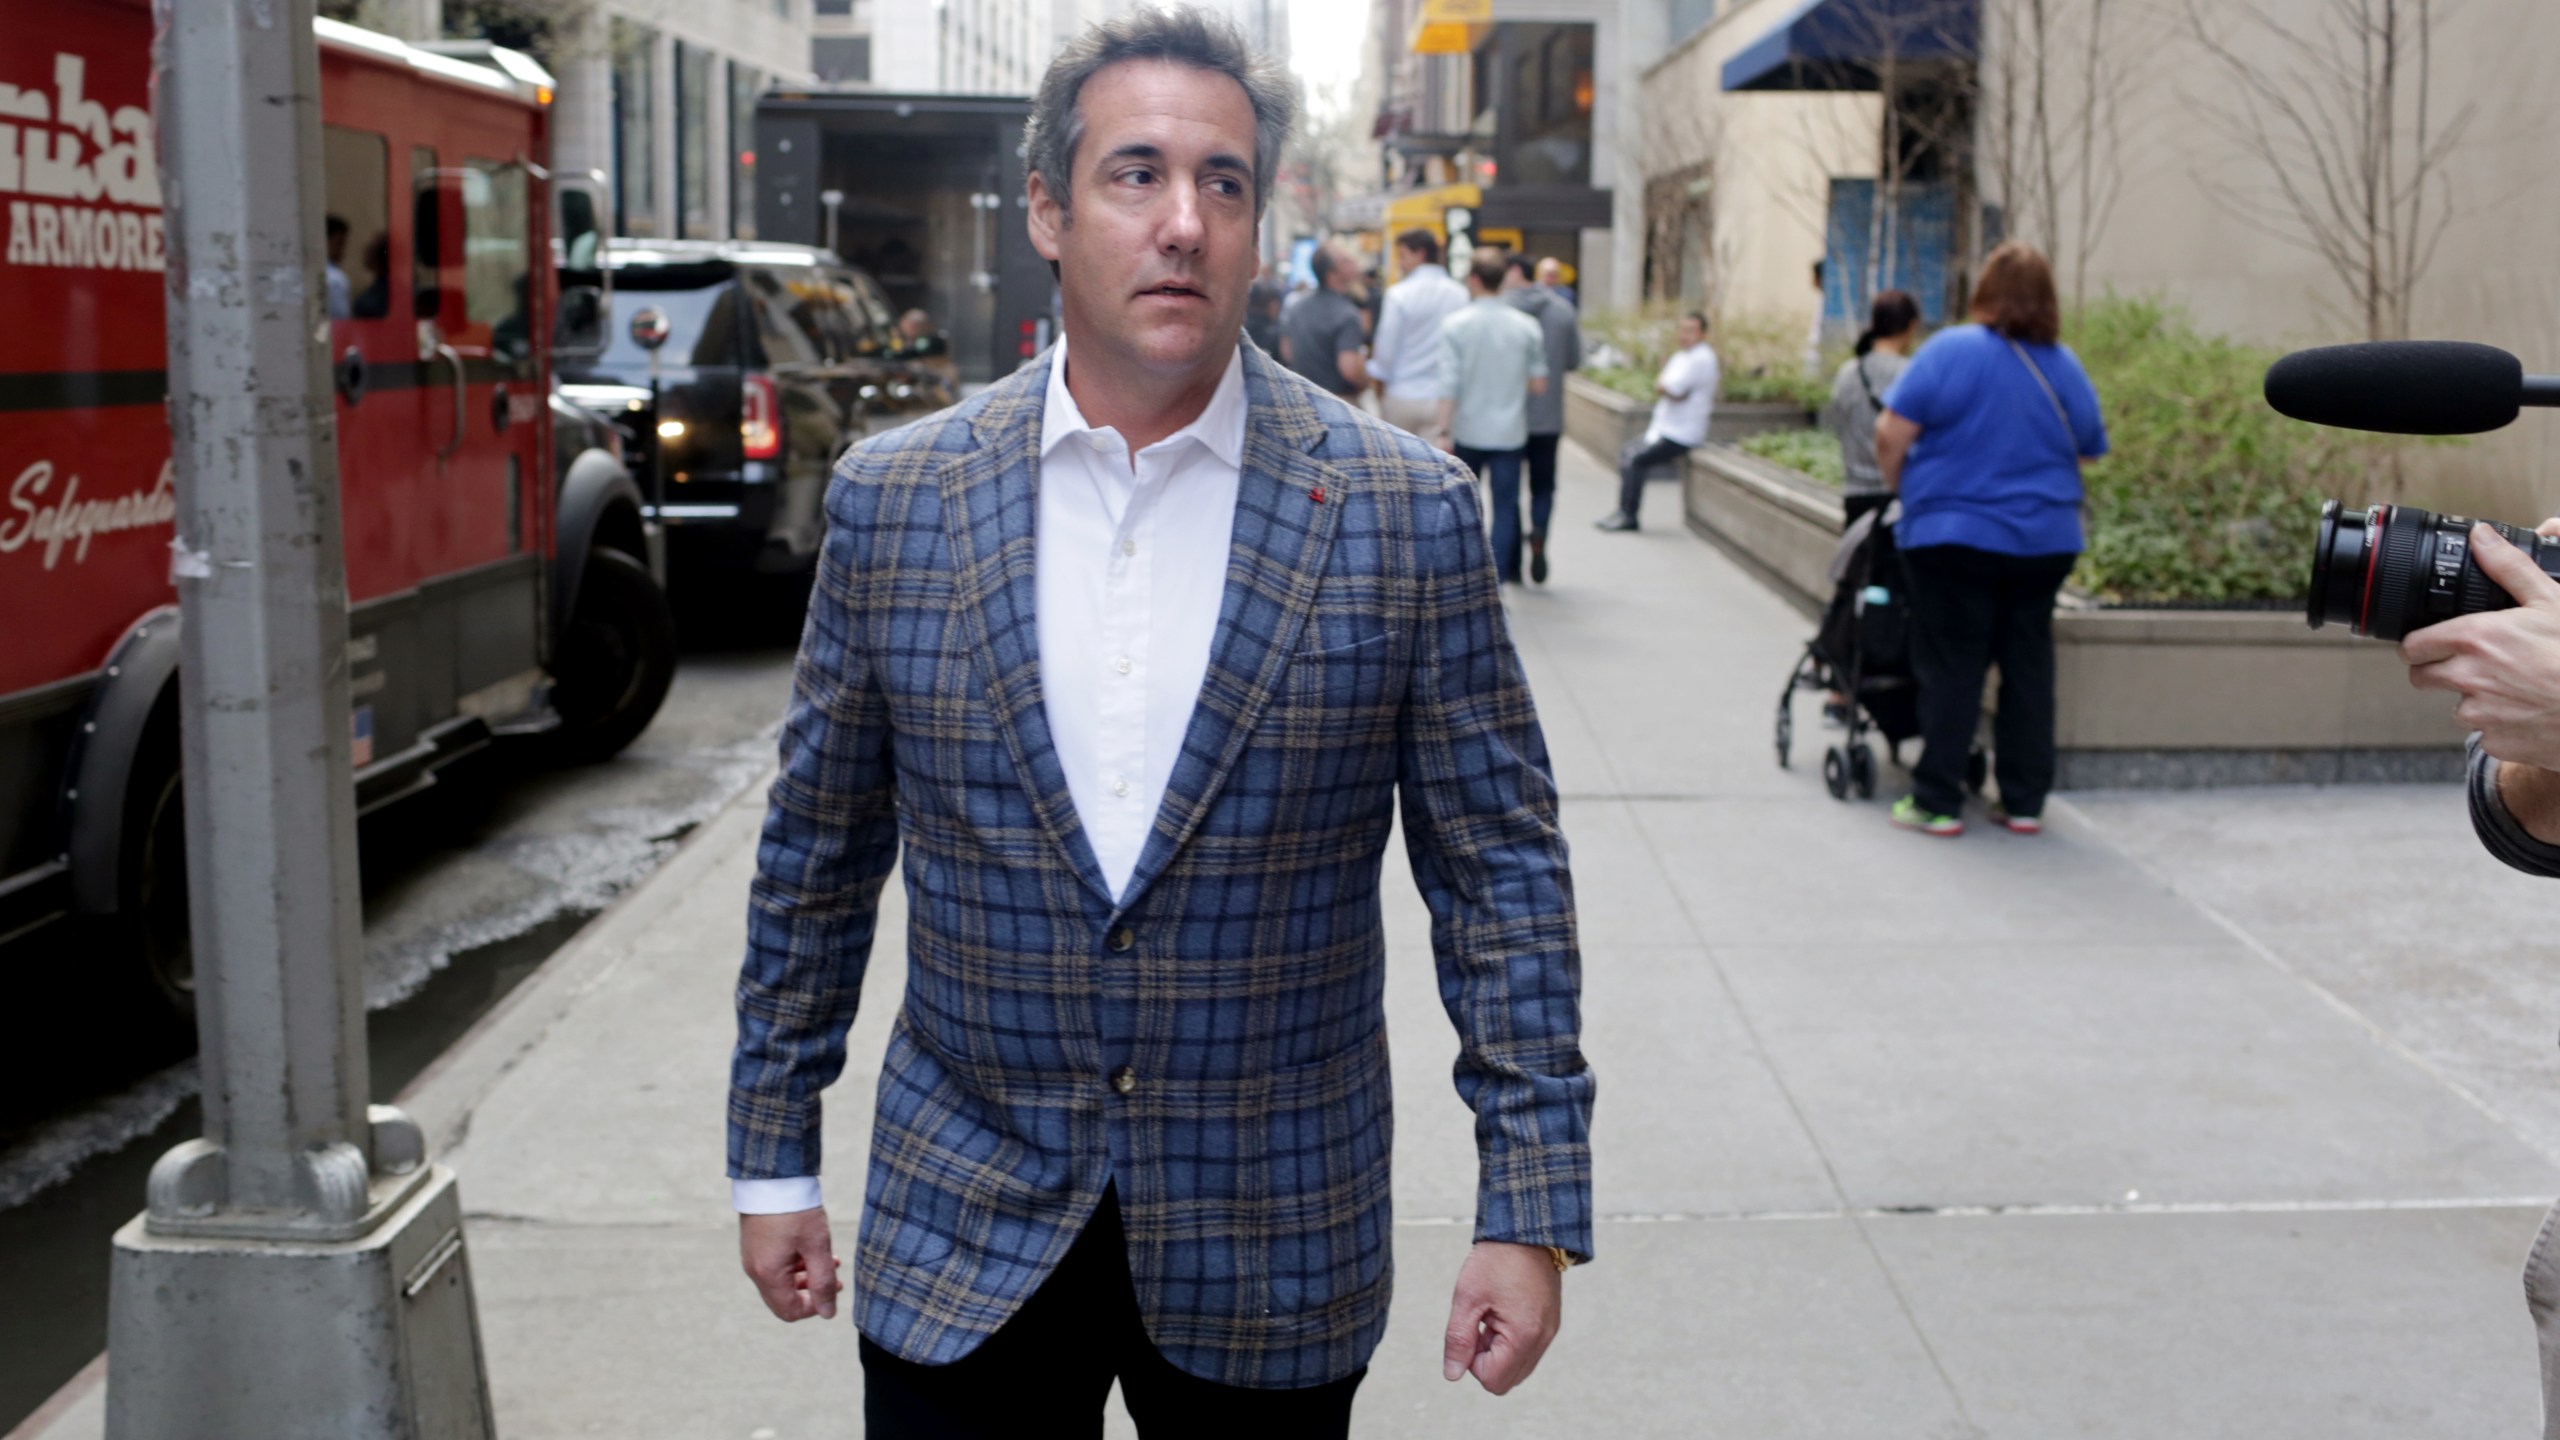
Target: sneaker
column 2016, row 824
column 1835, row 714
column 1616, row 520
column 1538, row 558
column 1908, row 815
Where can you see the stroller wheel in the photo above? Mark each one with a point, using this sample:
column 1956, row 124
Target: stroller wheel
column 1862, row 772
column 1786, row 732
column 1977, row 769
column 1835, row 773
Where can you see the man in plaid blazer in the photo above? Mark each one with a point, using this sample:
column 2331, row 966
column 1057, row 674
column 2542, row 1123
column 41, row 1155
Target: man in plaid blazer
column 1134, row 1119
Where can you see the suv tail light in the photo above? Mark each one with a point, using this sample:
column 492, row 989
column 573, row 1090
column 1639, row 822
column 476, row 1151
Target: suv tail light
column 760, row 418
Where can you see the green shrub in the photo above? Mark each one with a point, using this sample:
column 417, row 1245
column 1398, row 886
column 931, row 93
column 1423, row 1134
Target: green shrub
column 1627, row 380
column 2208, row 495
column 1812, row 452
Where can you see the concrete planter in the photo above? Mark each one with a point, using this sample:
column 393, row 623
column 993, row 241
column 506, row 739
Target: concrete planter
column 1738, row 420
column 1605, row 422
column 2162, row 698
column 1600, row 419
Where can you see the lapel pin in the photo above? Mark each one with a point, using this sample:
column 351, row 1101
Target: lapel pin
column 1317, row 494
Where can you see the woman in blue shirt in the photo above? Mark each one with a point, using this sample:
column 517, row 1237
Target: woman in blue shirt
column 1983, row 437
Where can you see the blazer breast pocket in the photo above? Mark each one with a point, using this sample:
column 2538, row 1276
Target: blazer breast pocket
column 1341, row 669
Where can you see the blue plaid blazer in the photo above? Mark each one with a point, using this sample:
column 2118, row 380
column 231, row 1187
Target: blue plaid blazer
column 1360, row 658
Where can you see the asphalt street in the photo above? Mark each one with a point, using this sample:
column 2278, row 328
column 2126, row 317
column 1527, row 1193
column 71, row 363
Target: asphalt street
column 467, row 889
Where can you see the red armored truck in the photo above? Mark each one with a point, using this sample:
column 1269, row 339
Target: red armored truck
column 498, row 569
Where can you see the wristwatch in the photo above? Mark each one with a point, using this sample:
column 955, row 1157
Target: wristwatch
column 1562, row 1257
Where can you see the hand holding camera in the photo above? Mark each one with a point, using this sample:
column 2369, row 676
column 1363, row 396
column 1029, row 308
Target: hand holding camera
column 2504, row 664
column 2475, row 607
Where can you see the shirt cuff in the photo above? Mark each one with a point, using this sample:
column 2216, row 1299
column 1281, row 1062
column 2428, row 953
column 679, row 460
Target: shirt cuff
column 775, row 1197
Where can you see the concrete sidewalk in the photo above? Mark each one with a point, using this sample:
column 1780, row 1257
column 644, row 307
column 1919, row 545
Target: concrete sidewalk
column 2203, row 1115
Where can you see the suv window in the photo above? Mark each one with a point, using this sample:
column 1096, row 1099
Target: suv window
column 703, row 323
column 789, row 329
column 879, row 316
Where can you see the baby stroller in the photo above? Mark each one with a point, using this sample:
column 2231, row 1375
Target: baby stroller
column 1863, row 651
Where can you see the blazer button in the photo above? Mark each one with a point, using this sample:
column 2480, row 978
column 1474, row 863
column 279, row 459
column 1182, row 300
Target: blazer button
column 1123, row 939
column 1124, row 1079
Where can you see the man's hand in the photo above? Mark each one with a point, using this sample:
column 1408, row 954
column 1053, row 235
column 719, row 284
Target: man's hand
column 1509, row 1304
column 792, row 1260
column 2505, row 664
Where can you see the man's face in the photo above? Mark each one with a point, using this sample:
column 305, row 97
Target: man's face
column 1157, row 257
column 1691, row 332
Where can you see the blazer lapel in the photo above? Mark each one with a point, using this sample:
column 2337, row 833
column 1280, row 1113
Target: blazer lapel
column 991, row 510
column 1283, row 536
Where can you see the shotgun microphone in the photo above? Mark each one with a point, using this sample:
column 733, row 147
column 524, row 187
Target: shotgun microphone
column 2407, row 387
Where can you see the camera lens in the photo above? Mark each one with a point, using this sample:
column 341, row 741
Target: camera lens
column 2391, row 569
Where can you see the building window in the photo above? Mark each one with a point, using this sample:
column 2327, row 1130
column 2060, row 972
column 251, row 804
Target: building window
column 1547, row 110
column 830, row 8
column 841, row 59
column 745, row 83
column 635, row 131
column 696, row 103
column 1688, row 17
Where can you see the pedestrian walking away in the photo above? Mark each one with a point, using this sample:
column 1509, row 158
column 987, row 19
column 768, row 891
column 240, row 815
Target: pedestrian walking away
column 1563, row 333
column 1320, row 333
column 1684, row 401
column 1857, row 400
column 1551, row 275
column 1493, row 362
column 1983, row 437
column 1129, row 664
column 1404, row 358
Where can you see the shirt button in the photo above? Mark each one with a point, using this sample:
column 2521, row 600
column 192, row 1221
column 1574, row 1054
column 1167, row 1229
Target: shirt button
column 1124, row 1079
column 1100, row 445
column 1120, row 788
column 1128, row 547
column 1122, row 665
column 1123, row 939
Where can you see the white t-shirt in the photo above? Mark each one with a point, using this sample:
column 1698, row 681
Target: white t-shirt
column 1691, row 373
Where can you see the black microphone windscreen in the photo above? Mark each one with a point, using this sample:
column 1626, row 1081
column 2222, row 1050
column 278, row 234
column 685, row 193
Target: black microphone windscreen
column 2400, row 387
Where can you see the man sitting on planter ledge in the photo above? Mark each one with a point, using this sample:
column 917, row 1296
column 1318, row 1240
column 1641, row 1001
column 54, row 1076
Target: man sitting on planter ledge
column 1684, row 399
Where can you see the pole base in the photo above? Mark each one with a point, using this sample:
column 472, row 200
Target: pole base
column 370, row 1339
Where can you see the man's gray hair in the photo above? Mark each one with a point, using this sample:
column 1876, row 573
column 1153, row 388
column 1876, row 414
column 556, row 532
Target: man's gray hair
column 1183, row 34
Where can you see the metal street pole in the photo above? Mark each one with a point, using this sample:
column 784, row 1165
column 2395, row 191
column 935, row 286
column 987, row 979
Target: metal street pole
column 299, row 1271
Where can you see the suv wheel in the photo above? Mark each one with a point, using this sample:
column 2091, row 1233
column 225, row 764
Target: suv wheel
column 617, row 657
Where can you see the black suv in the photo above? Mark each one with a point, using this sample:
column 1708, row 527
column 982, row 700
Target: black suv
column 778, row 358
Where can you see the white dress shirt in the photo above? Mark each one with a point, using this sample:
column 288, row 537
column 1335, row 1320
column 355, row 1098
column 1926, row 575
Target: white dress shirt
column 1131, row 562
column 1406, row 353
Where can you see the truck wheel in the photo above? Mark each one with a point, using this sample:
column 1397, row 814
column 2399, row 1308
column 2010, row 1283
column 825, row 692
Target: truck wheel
column 154, row 903
column 617, row 656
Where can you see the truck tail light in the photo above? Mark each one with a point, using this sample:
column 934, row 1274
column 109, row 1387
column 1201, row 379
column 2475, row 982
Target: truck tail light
column 760, row 418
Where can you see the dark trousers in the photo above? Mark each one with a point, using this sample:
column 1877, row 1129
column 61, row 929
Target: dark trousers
column 1632, row 470
column 1049, row 1369
column 1541, row 460
column 1972, row 609
column 1501, row 469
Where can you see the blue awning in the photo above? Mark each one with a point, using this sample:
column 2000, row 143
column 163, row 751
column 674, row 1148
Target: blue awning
column 1846, row 44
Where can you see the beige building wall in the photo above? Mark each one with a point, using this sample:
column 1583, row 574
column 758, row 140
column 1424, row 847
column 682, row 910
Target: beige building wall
column 1771, row 156
column 2496, row 275
column 2173, row 229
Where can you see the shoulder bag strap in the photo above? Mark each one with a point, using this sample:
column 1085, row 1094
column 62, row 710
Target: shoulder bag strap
column 1868, row 385
column 2070, row 436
